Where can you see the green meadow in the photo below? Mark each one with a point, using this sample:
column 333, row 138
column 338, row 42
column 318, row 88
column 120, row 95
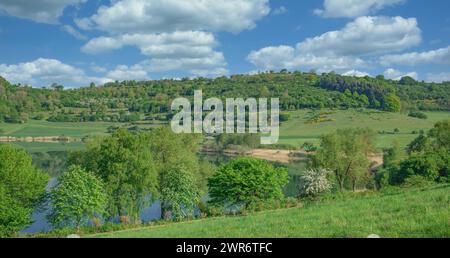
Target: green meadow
column 421, row 212
column 295, row 132
column 300, row 128
column 35, row 128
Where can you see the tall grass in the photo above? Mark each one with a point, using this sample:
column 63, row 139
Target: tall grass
column 395, row 213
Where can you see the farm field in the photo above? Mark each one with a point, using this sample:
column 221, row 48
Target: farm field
column 421, row 212
column 297, row 130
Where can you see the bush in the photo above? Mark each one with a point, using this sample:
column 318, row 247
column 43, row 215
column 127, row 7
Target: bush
column 314, row 182
column 426, row 166
column 210, row 210
column 417, row 114
column 284, row 117
column 309, row 147
column 382, row 178
column 246, row 181
column 39, row 117
column 417, row 181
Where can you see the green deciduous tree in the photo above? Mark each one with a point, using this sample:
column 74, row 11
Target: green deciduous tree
column 178, row 193
column 181, row 178
column 345, row 153
column 78, row 198
column 125, row 163
column 246, row 181
column 417, row 145
column 426, row 166
column 441, row 135
column 407, row 80
column 13, row 216
column 392, row 103
column 22, row 188
column 429, row 157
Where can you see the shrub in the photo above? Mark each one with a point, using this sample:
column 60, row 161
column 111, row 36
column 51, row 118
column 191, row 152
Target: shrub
column 427, row 166
column 417, row 114
column 314, row 182
column 39, row 117
column 207, row 210
column 382, row 178
column 309, row 147
column 284, row 117
column 417, row 181
column 246, row 181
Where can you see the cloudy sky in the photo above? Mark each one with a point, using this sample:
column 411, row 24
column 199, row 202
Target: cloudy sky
column 75, row 42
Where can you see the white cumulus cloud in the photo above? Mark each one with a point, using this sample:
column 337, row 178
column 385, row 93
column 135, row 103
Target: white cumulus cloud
column 177, row 44
column 44, row 11
column 342, row 50
column 356, row 73
column 43, row 72
column 367, row 35
column 353, row 8
column 397, row 75
column 438, row 56
column 211, row 62
column 124, row 72
column 173, row 35
column 191, row 51
column 271, row 58
column 154, row 16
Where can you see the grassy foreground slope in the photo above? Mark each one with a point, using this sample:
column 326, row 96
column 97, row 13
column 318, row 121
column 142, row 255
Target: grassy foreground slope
column 410, row 213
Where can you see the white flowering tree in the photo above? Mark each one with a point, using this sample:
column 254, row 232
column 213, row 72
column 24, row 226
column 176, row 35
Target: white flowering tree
column 314, row 182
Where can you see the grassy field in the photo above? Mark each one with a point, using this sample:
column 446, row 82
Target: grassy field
column 35, row 128
column 297, row 131
column 294, row 132
column 404, row 213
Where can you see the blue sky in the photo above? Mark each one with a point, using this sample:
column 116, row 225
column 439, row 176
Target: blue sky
column 74, row 42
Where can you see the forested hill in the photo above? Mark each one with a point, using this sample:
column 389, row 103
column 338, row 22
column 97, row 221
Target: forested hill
column 114, row 101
